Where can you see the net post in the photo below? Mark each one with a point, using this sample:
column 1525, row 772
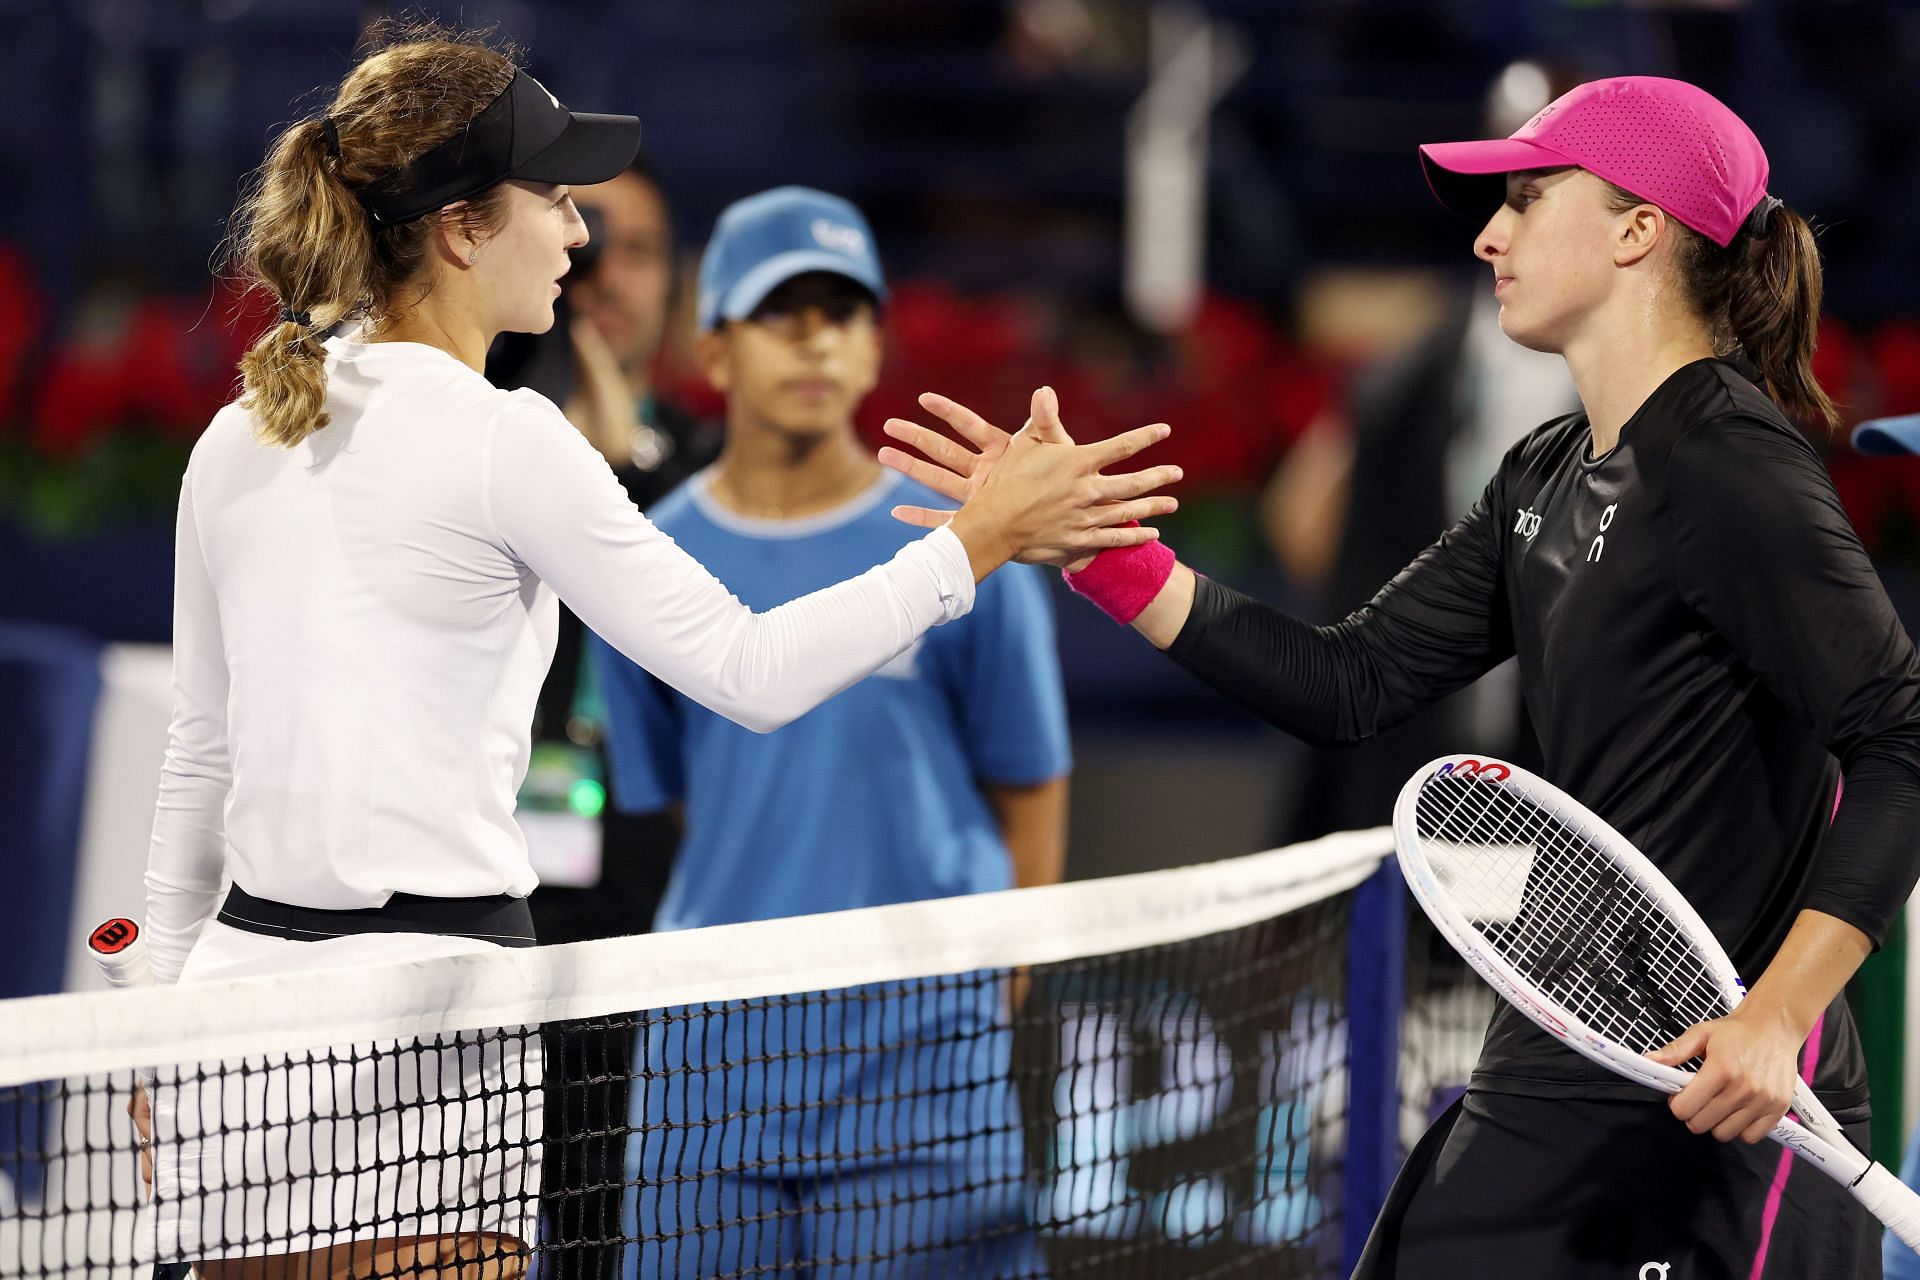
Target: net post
column 1376, row 987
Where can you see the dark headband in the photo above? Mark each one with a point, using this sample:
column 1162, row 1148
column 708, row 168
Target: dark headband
column 524, row 133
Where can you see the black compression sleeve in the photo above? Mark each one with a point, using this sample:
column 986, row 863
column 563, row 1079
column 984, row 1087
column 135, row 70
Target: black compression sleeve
column 1764, row 553
column 1871, row 857
column 1440, row 624
column 1276, row 666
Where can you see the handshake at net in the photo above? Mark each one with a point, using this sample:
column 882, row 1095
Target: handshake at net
column 1031, row 495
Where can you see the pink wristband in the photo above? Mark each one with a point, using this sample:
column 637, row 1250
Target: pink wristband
column 1124, row 580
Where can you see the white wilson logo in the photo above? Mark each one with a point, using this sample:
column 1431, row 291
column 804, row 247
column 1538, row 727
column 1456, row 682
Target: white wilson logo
column 1599, row 546
column 839, row 238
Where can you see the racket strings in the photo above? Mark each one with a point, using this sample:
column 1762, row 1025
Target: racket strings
column 1620, row 959
column 1563, row 913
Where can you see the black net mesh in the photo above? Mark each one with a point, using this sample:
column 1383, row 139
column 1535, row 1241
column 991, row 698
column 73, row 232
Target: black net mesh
column 1443, row 1021
column 1170, row 1111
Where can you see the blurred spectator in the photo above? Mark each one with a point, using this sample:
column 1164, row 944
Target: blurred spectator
column 1423, row 432
column 623, row 305
column 1238, row 395
column 944, row 773
column 602, row 872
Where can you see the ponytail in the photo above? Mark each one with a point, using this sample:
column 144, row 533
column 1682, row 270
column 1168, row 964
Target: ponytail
column 307, row 240
column 302, row 235
column 1760, row 295
column 1773, row 311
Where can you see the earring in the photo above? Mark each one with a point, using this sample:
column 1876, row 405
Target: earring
column 473, row 256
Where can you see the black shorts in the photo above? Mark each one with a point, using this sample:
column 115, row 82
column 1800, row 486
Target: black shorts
column 1505, row 1187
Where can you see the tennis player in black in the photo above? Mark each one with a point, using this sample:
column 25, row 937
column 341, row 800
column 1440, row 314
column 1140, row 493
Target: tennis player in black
column 1706, row 653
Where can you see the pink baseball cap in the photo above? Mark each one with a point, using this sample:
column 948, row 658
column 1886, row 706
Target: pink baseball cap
column 1666, row 141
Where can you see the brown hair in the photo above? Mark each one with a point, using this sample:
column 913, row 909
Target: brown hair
column 1760, row 295
column 301, row 233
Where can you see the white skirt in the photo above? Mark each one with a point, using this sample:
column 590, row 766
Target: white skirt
column 286, row 1153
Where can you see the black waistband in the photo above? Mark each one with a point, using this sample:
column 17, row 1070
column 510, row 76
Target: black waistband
column 502, row 919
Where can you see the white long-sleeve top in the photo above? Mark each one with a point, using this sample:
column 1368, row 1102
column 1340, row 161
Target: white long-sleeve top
column 362, row 624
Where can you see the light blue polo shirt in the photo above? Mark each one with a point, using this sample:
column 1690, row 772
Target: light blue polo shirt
column 872, row 797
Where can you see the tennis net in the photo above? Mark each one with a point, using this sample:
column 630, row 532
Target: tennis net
column 1169, row 1074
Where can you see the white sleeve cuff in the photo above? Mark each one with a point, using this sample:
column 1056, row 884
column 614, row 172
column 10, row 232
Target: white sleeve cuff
column 952, row 572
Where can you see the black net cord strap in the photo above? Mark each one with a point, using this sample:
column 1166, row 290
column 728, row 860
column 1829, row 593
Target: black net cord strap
column 1158, row 1086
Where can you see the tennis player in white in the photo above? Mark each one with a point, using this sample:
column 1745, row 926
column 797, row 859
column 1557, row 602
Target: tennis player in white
column 370, row 544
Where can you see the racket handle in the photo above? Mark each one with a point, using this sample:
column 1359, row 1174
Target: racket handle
column 121, row 952
column 1893, row 1202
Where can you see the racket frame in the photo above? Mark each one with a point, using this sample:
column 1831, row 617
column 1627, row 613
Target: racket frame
column 1816, row 1135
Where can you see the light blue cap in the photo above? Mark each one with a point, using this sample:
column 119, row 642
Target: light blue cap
column 764, row 241
column 1884, row 436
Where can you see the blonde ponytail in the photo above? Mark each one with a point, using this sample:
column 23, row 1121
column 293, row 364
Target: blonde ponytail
column 302, row 234
column 308, row 240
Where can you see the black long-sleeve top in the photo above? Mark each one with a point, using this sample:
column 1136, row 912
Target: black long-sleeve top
column 1704, row 649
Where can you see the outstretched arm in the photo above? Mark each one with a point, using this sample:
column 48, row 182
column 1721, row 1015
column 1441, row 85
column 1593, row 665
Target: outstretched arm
column 556, row 508
column 1440, row 624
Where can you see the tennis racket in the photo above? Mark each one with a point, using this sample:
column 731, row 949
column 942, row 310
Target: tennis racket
column 121, row 953
column 1580, row 932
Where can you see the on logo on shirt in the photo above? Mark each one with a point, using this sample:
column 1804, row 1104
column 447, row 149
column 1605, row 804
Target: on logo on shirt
column 1599, row 545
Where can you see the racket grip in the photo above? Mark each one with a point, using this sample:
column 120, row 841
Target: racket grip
column 120, row 950
column 1893, row 1202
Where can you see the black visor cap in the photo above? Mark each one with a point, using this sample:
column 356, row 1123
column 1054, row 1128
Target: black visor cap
column 524, row 133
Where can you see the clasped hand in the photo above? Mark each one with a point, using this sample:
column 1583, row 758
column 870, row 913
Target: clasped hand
column 1746, row 1077
column 1042, row 498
